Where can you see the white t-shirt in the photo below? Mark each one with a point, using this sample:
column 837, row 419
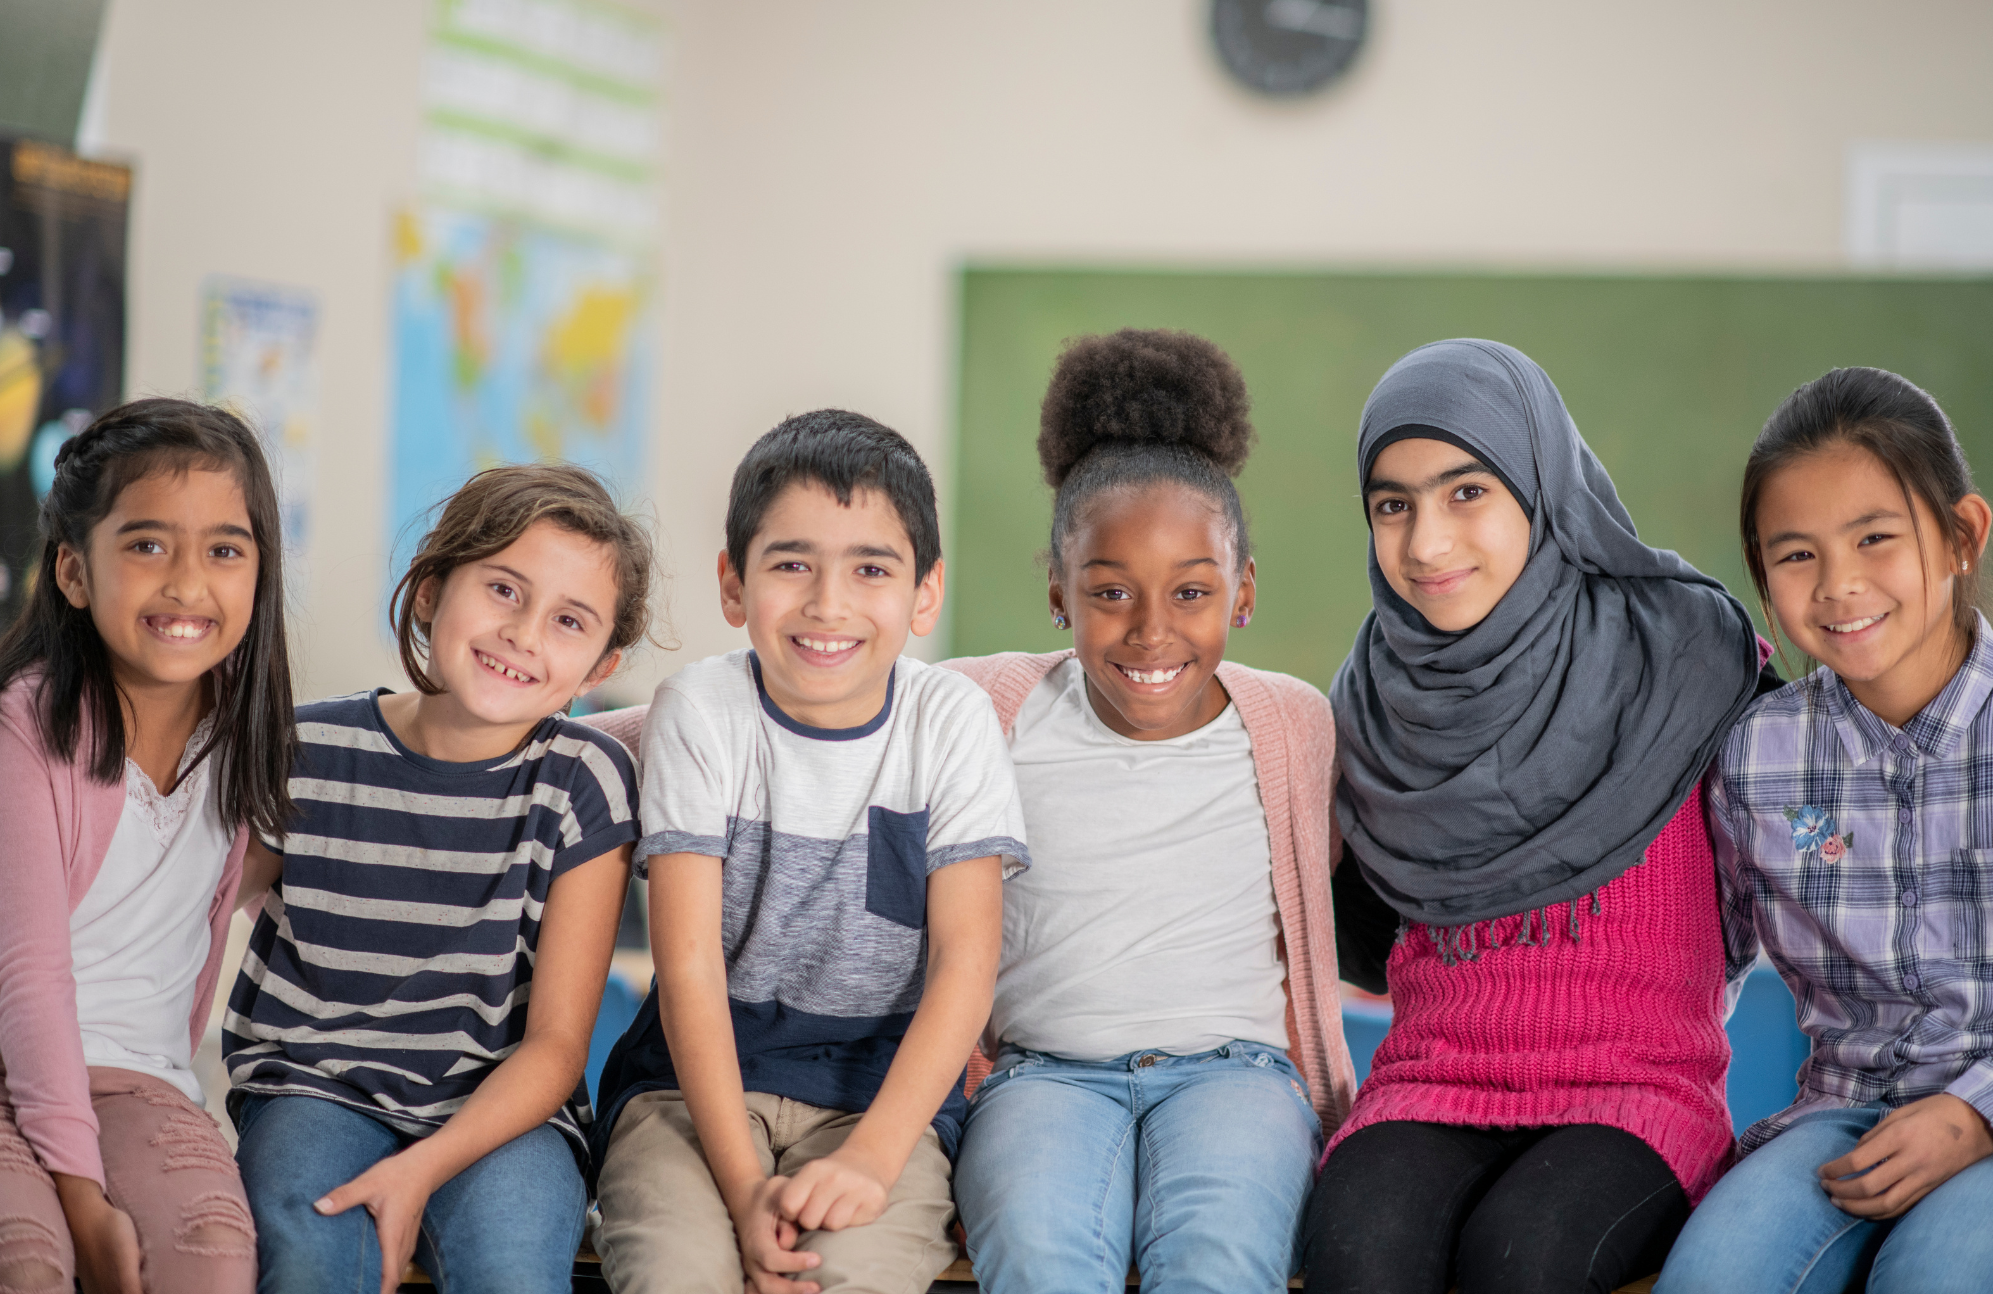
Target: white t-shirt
column 140, row 937
column 1147, row 920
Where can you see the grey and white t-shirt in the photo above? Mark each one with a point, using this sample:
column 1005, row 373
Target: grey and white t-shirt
column 1148, row 921
column 827, row 838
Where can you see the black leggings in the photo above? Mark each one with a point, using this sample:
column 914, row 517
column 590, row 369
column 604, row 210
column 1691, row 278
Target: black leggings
column 1409, row 1208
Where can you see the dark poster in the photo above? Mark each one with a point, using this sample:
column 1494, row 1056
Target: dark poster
column 62, row 326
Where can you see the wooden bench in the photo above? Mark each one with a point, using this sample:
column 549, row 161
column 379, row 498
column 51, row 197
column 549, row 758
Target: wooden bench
column 587, row 1267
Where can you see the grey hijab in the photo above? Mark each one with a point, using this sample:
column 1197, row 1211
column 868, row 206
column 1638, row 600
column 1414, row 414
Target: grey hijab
column 1532, row 758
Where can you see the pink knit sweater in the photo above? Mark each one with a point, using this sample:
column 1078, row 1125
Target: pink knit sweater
column 1293, row 735
column 58, row 826
column 1621, row 1026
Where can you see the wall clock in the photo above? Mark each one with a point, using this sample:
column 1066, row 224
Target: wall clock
column 1285, row 48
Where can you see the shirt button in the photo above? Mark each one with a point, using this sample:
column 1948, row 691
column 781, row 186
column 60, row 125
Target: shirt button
column 1911, row 981
column 1909, row 898
column 1903, row 816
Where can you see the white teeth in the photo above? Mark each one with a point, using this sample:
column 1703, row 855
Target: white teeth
column 1151, row 675
column 1852, row 626
column 502, row 668
column 829, row 644
column 183, row 628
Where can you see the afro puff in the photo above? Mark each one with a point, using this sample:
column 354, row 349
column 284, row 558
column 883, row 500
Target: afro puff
column 1140, row 406
column 1144, row 386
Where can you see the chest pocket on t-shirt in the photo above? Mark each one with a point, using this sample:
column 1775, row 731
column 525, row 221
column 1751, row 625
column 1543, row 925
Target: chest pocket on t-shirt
column 896, row 866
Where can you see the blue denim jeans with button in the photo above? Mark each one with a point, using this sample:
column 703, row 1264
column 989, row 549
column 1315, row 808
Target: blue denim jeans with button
column 1194, row 1169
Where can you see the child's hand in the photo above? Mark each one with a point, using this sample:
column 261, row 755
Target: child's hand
column 833, row 1193
column 395, row 1192
column 107, row 1257
column 1912, row 1150
column 767, row 1240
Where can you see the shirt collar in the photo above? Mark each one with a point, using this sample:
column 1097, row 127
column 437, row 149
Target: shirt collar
column 1934, row 730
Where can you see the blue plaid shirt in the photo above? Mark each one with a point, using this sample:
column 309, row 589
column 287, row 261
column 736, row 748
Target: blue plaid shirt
column 1861, row 857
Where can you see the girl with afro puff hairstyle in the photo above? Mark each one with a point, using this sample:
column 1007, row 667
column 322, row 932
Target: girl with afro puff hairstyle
column 1166, row 1037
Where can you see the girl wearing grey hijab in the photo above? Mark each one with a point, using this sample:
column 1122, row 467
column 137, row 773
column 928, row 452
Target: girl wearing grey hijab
column 1523, row 726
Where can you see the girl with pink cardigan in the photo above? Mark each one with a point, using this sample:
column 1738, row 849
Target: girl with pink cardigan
column 1166, row 1037
column 145, row 726
column 1524, row 724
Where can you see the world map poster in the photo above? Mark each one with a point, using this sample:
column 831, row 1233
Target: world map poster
column 513, row 343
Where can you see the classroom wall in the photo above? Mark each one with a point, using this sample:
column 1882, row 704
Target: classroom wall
column 831, row 167
column 1311, row 346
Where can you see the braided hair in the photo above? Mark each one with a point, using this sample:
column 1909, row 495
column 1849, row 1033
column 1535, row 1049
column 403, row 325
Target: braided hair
column 254, row 738
column 1140, row 406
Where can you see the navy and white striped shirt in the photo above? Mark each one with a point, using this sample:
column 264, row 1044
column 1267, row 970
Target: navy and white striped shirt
column 391, row 967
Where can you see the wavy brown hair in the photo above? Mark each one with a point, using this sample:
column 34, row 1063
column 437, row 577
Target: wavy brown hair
column 254, row 737
column 489, row 514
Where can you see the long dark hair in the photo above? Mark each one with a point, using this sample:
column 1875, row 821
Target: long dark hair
column 254, row 737
column 1893, row 419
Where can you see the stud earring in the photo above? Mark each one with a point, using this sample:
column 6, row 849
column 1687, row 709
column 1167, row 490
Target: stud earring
column 1241, row 621
column 1058, row 620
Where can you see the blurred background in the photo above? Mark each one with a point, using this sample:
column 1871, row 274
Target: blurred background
column 411, row 238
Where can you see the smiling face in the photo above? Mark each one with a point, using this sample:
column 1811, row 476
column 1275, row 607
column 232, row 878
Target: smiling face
column 169, row 579
column 1851, row 584
column 828, row 597
column 514, row 637
column 1450, row 538
column 1151, row 585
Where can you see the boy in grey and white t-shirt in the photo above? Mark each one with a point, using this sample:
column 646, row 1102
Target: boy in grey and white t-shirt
column 826, row 827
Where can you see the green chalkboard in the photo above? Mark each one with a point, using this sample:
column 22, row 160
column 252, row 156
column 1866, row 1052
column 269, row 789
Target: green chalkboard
column 1668, row 377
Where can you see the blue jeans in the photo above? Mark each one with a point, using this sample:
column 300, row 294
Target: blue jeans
column 1195, row 1168
column 508, row 1223
column 1768, row 1228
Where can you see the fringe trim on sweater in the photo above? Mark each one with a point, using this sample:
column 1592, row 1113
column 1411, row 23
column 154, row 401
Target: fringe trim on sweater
column 1458, row 944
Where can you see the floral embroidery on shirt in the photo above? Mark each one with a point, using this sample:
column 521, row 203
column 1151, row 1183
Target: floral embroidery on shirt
column 1814, row 829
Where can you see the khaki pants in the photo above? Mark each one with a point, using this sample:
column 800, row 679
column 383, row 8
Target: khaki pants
column 665, row 1229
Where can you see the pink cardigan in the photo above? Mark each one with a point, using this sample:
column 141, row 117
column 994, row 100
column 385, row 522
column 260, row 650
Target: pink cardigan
column 59, row 824
column 1293, row 736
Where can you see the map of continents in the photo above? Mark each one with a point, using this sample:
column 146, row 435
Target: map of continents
column 513, row 343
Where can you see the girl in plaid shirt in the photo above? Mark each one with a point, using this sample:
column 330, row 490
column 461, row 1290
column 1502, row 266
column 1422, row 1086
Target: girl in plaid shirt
column 1854, row 816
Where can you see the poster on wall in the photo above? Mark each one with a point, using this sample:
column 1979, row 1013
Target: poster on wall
column 259, row 357
column 62, row 327
column 523, row 284
column 513, row 343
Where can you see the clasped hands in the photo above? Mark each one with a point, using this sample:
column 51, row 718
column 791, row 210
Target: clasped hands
column 840, row 1190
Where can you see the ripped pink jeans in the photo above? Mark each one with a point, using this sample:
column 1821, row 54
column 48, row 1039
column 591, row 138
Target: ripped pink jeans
column 165, row 1164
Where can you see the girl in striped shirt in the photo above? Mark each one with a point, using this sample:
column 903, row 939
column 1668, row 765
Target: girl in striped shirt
column 408, row 1035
